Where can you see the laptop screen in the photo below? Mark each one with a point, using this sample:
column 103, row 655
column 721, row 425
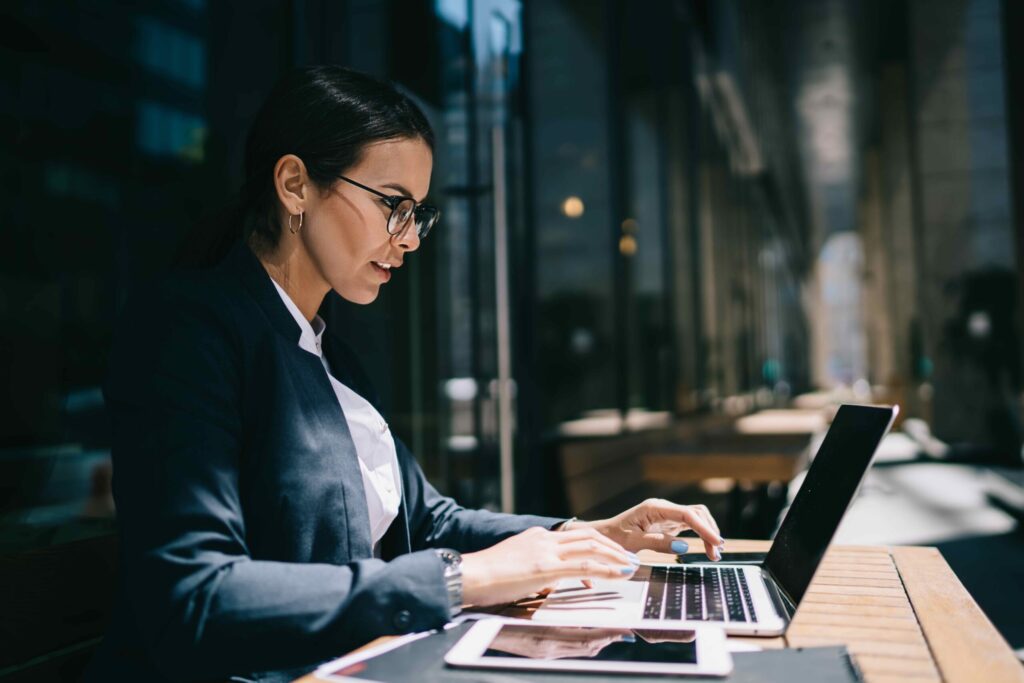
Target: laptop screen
column 821, row 502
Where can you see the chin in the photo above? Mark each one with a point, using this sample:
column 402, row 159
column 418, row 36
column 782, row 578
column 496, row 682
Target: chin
column 360, row 297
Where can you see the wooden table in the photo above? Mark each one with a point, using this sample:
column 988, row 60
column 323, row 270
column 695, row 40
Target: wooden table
column 900, row 611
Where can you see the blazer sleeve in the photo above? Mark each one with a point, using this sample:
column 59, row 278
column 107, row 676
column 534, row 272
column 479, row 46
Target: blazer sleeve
column 205, row 608
column 438, row 521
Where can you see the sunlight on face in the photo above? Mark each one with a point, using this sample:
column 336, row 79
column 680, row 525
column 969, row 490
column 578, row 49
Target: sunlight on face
column 347, row 228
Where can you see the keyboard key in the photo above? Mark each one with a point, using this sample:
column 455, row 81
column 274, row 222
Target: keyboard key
column 733, row 598
column 655, row 595
column 713, row 594
column 673, row 600
column 745, row 591
column 694, row 594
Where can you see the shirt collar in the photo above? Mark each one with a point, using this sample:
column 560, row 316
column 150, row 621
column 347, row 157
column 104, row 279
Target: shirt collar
column 312, row 333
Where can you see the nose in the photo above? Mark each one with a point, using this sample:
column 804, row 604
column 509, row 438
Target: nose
column 409, row 240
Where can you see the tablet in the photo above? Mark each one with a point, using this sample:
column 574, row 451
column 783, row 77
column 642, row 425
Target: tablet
column 502, row 644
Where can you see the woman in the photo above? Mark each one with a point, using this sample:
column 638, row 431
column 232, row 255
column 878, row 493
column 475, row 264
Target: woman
column 269, row 519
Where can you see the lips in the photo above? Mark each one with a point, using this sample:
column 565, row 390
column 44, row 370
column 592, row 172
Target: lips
column 383, row 269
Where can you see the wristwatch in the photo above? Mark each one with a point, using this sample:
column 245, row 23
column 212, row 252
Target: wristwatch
column 452, row 560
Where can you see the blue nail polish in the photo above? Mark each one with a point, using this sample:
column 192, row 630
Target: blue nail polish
column 630, row 638
column 627, row 570
column 680, row 547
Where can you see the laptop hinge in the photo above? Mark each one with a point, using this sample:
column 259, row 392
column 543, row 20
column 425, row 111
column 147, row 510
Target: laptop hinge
column 783, row 605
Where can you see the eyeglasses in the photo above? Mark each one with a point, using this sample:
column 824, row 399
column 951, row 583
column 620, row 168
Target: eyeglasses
column 404, row 211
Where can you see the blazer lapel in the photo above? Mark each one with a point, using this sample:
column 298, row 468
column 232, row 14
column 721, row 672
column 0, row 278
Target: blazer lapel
column 335, row 431
column 320, row 400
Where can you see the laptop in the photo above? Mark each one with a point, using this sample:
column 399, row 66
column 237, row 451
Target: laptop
column 756, row 598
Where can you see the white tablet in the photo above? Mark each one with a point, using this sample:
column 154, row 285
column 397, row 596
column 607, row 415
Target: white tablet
column 502, row 644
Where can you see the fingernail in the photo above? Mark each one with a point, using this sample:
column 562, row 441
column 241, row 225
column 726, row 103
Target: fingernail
column 718, row 554
column 634, row 559
column 628, row 638
column 627, row 570
column 680, row 547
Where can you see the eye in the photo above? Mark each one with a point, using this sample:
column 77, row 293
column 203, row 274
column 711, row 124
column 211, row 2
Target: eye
column 404, row 211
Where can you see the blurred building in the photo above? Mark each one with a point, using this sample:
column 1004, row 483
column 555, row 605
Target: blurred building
column 648, row 213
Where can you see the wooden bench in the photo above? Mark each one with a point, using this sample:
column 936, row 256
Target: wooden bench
column 604, row 475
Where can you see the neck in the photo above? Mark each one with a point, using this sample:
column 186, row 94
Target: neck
column 289, row 265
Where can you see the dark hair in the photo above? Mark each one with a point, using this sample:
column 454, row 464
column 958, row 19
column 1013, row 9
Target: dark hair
column 325, row 115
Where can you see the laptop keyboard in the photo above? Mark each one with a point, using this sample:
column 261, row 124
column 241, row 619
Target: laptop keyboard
column 699, row 593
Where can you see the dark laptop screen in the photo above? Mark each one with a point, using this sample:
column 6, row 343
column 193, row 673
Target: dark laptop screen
column 819, row 505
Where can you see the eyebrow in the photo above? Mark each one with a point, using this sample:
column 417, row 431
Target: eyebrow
column 400, row 188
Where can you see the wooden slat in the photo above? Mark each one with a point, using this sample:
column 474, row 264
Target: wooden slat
column 836, row 599
column 869, row 647
column 834, row 565
column 829, row 580
column 816, row 588
column 965, row 644
column 845, row 573
column 859, row 549
column 897, row 678
column 796, row 631
column 852, row 561
column 901, row 612
column 910, row 668
column 831, row 618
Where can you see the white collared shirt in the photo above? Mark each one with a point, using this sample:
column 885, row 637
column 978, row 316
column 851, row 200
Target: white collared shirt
column 378, row 459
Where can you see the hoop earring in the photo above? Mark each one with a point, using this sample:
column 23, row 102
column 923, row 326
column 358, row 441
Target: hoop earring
column 290, row 228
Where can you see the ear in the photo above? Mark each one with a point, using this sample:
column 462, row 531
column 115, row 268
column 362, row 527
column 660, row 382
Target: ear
column 291, row 183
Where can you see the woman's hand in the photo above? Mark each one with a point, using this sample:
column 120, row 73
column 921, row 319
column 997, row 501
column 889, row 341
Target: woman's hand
column 653, row 525
column 536, row 559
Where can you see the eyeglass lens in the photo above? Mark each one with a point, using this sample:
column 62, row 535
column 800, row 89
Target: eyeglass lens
column 405, row 213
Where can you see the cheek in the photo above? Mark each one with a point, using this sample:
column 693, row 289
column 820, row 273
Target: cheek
column 346, row 242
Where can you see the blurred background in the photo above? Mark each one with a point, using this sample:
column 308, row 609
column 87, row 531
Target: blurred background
column 675, row 236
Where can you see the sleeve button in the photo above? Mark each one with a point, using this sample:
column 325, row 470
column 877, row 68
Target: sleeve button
column 402, row 619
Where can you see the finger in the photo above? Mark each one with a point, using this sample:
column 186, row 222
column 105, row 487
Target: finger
column 590, row 569
column 703, row 511
column 690, row 516
column 589, row 533
column 587, row 583
column 664, row 543
column 590, row 548
column 716, row 551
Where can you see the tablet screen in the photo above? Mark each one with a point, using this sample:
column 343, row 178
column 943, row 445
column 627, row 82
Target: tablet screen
column 593, row 644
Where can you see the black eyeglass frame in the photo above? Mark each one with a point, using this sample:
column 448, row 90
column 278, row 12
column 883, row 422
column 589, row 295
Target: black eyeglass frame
column 393, row 200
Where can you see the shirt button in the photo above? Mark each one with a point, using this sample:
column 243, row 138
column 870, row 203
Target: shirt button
column 402, row 620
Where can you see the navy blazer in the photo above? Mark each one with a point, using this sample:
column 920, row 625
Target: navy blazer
column 245, row 536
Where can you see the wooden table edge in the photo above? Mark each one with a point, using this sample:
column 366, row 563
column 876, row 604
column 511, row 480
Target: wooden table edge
column 965, row 645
